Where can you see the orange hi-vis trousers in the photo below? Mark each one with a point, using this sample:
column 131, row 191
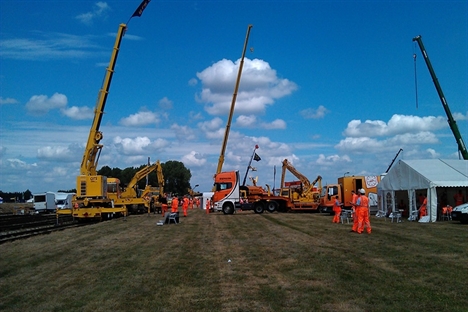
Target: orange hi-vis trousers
column 355, row 219
column 363, row 220
column 164, row 209
column 336, row 217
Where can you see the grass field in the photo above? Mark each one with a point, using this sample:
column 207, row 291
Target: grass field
column 278, row 262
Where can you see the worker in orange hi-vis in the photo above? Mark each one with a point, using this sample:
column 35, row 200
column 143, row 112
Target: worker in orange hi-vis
column 175, row 204
column 207, row 206
column 423, row 208
column 363, row 213
column 185, row 204
column 355, row 217
column 198, row 202
column 337, row 210
column 459, row 198
column 191, row 203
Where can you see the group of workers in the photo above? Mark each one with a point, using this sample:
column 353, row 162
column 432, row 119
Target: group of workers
column 361, row 212
column 174, row 203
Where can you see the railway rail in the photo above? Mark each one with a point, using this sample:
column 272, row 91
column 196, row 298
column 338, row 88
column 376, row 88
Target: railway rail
column 13, row 227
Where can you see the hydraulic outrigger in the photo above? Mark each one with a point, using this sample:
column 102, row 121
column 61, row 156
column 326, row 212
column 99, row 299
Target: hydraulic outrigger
column 452, row 123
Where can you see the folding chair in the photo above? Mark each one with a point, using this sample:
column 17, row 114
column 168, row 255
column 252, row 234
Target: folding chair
column 345, row 215
column 395, row 215
column 414, row 215
column 174, row 216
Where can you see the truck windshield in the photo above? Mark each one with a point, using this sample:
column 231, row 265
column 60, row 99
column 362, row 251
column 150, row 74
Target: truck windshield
column 223, row 186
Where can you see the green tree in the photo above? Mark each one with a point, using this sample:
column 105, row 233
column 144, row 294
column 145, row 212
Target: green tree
column 176, row 177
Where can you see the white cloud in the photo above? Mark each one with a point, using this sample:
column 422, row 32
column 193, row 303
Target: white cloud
column 50, row 46
column 59, row 153
column 251, row 121
column 7, row 101
column 332, row 160
column 183, row 133
column 78, row 113
column 129, row 146
column 140, row 119
column 258, row 88
column 99, row 9
column 193, row 82
column 398, row 124
column 18, row 164
column 312, row 113
column 433, row 153
column 275, row 124
column 460, row 116
column 41, row 104
column 211, row 125
column 246, row 121
column 165, row 103
column 193, row 159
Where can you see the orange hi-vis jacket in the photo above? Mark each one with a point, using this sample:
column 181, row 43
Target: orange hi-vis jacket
column 175, row 204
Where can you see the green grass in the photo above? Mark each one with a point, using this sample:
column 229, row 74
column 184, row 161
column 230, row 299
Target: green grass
column 279, row 262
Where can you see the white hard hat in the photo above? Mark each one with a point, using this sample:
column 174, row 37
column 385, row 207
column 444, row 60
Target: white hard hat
column 362, row 191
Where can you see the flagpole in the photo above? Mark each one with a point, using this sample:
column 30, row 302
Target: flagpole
column 274, row 179
column 248, row 167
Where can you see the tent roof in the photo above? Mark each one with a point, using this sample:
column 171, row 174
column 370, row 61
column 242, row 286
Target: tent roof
column 426, row 173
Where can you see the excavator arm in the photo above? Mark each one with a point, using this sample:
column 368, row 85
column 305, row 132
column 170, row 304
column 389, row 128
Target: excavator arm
column 160, row 176
column 288, row 166
column 140, row 174
column 307, row 186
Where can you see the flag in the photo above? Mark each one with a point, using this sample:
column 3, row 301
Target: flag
column 256, row 157
column 140, row 9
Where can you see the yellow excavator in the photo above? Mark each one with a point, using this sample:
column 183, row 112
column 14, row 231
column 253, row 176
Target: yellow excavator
column 153, row 194
column 300, row 192
column 130, row 196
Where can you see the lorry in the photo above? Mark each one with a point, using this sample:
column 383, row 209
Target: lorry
column 44, row 202
column 229, row 196
column 343, row 189
column 63, row 200
column 303, row 194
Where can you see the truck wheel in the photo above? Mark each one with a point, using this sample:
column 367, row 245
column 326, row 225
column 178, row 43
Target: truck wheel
column 258, row 207
column 464, row 218
column 271, row 206
column 228, row 208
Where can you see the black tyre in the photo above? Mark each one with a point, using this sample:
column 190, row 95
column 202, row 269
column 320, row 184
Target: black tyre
column 228, row 208
column 464, row 218
column 271, row 206
column 258, row 207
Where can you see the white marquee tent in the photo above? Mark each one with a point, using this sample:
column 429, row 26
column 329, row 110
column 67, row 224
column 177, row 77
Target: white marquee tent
column 434, row 177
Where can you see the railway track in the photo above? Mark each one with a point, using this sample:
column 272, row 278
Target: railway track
column 13, row 227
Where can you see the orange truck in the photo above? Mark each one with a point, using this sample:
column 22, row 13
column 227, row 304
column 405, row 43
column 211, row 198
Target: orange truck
column 343, row 190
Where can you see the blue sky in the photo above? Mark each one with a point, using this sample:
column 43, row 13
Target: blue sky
column 329, row 85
